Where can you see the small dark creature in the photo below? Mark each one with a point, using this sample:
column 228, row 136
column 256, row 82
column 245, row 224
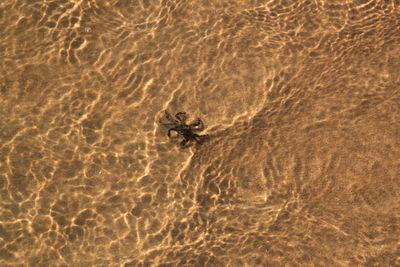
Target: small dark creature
column 187, row 131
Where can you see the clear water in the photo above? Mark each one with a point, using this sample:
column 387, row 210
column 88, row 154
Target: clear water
column 300, row 98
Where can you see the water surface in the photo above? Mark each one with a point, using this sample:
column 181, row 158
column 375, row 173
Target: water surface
column 300, row 98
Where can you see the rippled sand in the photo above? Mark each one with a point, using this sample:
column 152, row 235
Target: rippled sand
column 301, row 100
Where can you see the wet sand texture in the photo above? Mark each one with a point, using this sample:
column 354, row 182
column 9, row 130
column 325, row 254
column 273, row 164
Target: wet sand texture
column 301, row 100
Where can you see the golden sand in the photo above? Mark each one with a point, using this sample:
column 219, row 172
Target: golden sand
column 301, row 99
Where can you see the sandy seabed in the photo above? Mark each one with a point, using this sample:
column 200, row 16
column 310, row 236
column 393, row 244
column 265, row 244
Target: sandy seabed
column 300, row 99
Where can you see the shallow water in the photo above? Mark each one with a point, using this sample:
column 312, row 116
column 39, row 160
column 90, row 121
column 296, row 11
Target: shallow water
column 301, row 100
